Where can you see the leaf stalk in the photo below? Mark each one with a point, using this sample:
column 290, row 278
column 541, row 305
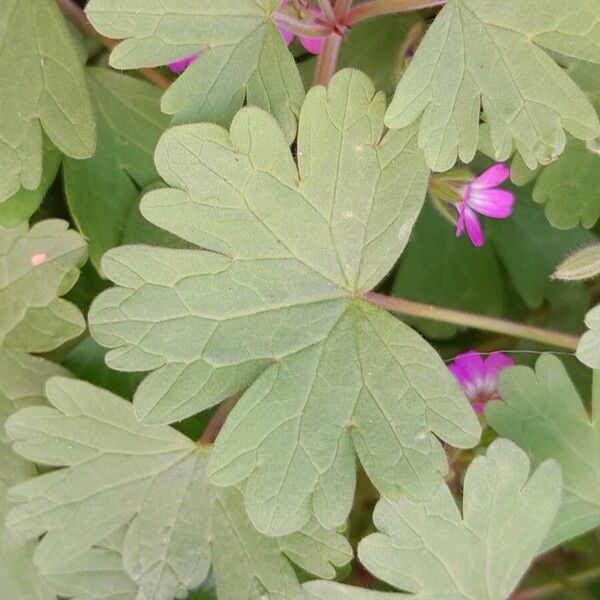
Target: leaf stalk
column 377, row 8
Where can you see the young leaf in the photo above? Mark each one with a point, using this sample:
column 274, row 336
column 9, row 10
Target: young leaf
column 588, row 351
column 289, row 250
column 429, row 549
column 491, row 55
column 242, row 55
column 543, row 413
column 151, row 479
column 582, row 264
column 45, row 88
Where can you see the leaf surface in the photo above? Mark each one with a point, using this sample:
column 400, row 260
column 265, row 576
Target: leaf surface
column 482, row 54
column 273, row 300
column 588, row 351
column 431, row 550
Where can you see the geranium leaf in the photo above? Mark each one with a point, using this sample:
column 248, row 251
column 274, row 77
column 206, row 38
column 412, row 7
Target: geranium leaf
column 289, row 250
column 429, row 549
column 588, row 351
column 242, row 55
column 543, row 413
column 491, row 55
column 103, row 191
column 152, row 480
column 47, row 91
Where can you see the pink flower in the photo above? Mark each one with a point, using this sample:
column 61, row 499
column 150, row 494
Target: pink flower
column 181, row 65
column 478, row 377
column 482, row 196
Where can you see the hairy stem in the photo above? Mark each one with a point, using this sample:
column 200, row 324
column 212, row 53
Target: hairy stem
column 456, row 317
column 76, row 15
column 327, row 10
column 300, row 27
column 375, row 8
column 550, row 589
column 217, row 421
column 327, row 60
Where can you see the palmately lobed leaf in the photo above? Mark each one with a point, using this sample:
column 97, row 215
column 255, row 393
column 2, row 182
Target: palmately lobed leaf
column 432, row 551
column 483, row 54
column 543, row 413
column 588, row 350
column 272, row 302
column 242, row 55
column 141, row 493
column 47, row 91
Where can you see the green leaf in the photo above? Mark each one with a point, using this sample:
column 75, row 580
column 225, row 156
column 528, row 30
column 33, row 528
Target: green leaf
column 21, row 205
column 32, row 317
column 582, row 264
column 543, row 413
column 569, row 188
column 588, row 351
column 491, row 55
column 152, row 480
column 273, row 298
column 242, row 55
column 429, row 549
column 47, row 90
column 103, row 191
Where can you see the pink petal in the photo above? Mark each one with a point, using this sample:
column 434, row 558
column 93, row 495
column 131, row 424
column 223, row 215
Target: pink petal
column 286, row 35
column 492, row 177
column 478, row 407
column 468, row 368
column 473, row 227
column 495, row 362
column 181, row 65
column 313, row 45
column 497, row 204
column 460, row 221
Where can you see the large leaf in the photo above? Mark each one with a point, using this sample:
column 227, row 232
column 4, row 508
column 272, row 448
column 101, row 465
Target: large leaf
column 543, row 413
column 429, row 549
column 491, row 55
column 103, row 191
column 242, row 55
column 45, row 88
column 153, row 480
column 588, row 351
column 290, row 249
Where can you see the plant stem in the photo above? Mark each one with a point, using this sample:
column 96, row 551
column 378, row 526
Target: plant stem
column 76, row 15
column 376, row 8
column 456, row 317
column 218, row 419
column 541, row 591
column 327, row 10
column 299, row 27
column 342, row 10
column 327, row 60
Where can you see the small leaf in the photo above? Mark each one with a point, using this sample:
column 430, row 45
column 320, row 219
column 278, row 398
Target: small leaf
column 40, row 59
column 429, row 549
column 274, row 300
column 242, row 54
column 103, row 191
column 151, row 483
column 580, row 265
column 543, row 413
column 588, row 351
column 491, row 55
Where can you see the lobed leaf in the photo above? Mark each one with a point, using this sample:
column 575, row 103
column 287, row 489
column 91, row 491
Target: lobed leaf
column 588, row 350
column 47, row 91
column 431, row 550
column 482, row 54
column 543, row 413
column 273, row 299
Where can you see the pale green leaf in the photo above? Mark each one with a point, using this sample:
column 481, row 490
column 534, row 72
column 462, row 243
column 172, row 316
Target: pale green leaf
column 242, row 55
column 433, row 551
column 151, row 481
column 569, row 188
column 45, row 88
column 582, row 264
column 289, row 249
column 588, row 351
column 103, row 191
column 543, row 413
column 32, row 317
column 491, row 55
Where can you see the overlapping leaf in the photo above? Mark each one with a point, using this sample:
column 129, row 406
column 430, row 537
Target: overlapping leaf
column 588, row 351
column 103, row 191
column 291, row 249
column 45, row 88
column 492, row 55
column 543, row 413
column 152, row 480
column 243, row 55
column 432, row 551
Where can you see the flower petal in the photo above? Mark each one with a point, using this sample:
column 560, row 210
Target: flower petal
column 473, row 226
column 460, row 221
column 312, row 45
column 478, row 407
column 492, row 177
column 470, row 368
column 179, row 66
column 286, row 36
column 497, row 204
column 495, row 362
